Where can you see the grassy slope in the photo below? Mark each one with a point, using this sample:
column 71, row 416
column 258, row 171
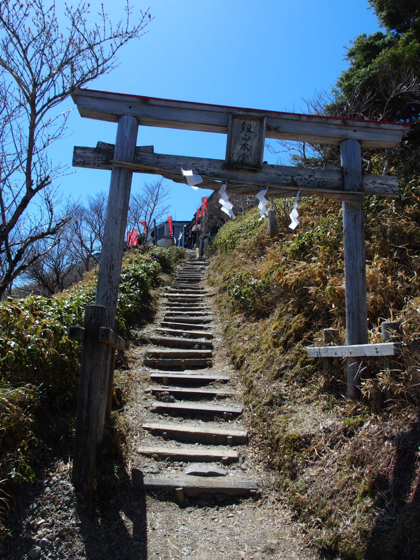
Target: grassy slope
column 40, row 365
column 350, row 470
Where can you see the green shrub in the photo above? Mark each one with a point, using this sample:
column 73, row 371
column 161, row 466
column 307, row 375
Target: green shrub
column 40, row 365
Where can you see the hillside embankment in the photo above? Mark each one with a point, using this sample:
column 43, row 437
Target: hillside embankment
column 350, row 470
column 40, row 367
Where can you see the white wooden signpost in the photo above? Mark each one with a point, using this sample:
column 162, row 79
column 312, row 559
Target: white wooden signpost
column 245, row 173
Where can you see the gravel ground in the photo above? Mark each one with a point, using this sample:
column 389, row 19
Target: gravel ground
column 48, row 520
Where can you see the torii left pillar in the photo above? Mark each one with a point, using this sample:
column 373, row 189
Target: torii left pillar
column 96, row 374
column 113, row 243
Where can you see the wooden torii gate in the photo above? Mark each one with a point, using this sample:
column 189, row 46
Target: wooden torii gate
column 244, row 172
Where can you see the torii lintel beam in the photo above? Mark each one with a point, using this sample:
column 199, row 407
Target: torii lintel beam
column 151, row 111
column 281, row 181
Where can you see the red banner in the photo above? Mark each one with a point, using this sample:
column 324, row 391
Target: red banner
column 170, row 225
column 204, row 204
column 144, row 224
column 132, row 238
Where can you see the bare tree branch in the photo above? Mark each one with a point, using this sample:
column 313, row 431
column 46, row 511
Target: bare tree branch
column 42, row 64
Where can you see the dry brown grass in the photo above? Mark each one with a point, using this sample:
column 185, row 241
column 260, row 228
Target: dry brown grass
column 350, row 470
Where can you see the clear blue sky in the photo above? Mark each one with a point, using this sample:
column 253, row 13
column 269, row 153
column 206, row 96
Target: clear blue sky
column 270, row 54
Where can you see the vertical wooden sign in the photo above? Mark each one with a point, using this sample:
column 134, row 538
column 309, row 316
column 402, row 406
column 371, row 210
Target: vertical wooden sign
column 245, row 141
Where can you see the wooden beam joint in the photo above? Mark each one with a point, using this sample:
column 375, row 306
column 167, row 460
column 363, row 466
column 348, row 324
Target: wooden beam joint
column 106, row 336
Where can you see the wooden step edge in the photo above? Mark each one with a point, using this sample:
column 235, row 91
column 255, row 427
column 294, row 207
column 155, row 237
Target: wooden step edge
column 186, row 455
column 179, row 325
column 168, row 377
column 194, row 434
column 194, row 485
column 169, row 340
column 195, row 408
column 179, row 364
column 194, row 334
column 179, row 354
column 179, row 392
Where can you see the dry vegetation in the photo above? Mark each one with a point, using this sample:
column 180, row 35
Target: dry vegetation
column 351, row 470
column 40, row 366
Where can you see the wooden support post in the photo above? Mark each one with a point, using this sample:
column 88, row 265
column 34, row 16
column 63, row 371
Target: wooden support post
column 328, row 336
column 273, row 227
column 110, row 394
column 354, row 261
column 89, row 404
column 112, row 248
column 202, row 236
column 155, row 236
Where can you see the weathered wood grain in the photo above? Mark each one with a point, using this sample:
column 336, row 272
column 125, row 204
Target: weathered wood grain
column 201, row 434
column 109, row 337
column 179, row 325
column 191, row 334
column 185, row 454
column 215, row 118
column 113, row 242
column 187, row 378
column 279, row 180
column 193, row 394
column 76, row 333
column 204, row 409
column 89, row 417
column 180, row 342
column 355, row 350
column 195, row 485
column 354, row 261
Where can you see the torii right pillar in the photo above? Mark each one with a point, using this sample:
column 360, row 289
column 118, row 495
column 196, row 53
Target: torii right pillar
column 354, row 261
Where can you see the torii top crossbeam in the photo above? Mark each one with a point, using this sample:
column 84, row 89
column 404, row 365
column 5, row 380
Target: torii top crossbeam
column 152, row 111
column 243, row 168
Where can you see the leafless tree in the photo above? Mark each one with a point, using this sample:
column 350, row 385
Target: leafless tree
column 85, row 230
column 149, row 205
column 55, row 268
column 41, row 64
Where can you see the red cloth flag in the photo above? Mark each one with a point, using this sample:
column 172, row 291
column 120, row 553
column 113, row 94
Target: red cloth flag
column 132, row 238
column 204, row 204
column 144, row 224
column 170, row 225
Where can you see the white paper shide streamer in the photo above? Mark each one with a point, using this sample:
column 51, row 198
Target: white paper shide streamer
column 262, row 203
column 224, row 201
column 294, row 213
column 192, row 178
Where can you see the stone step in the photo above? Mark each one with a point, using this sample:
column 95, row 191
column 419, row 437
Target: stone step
column 188, row 379
column 178, row 364
column 186, row 334
column 192, row 394
column 186, row 454
column 181, row 342
column 196, row 409
column 193, row 434
column 179, row 325
column 194, row 485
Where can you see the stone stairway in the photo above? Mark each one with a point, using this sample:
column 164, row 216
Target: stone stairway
column 195, row 440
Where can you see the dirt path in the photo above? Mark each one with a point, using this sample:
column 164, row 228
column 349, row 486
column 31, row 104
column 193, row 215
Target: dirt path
column 179, row 521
